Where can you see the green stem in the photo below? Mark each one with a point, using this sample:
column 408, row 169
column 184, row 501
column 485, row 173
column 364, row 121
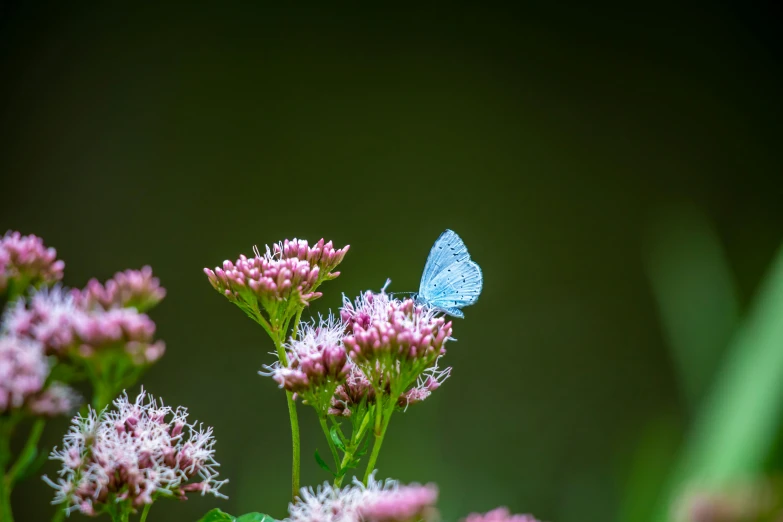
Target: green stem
column 356, row 442
column 144, row 513
column 332, row 447
column 379, row 434
column 28, row 453
column 296, row 322
column 338, row 481
column 294, row 443
column 6, row 430
column 59, row 515
column 103, row 394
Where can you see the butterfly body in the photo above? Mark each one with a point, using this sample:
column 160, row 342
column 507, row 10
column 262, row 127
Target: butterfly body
column 451, row 279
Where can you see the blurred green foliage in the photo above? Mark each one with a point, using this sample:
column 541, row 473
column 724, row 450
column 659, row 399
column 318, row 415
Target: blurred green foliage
column 549, row 138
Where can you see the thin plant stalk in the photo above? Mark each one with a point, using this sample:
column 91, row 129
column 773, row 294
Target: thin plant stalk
column 27, row 454
column 379, row 435
column 5, row 486
column 295, row 440
column 332, row 447
column 295, row 449
column 356, row 442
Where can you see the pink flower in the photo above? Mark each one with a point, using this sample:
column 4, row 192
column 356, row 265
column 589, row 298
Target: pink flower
column 288, row 273
column 355, row 391
column 26, row 261
column 47, row 317
column 393, row 341
column 131, row 288
column 134, row 454
column 24, row 370
column 316, row 362
column 125, row 327
column 404, row 504
column 54, row 318
column 57, row 399
column 385, row 501
column 429, row 381
column 500, row 514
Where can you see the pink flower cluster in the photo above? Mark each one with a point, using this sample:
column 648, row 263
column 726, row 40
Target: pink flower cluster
column 26, row 260
column 389, row 341
column 379, row 501
column 323, row 255
column 288, row 269
column 429, row 381
column 24, row 369
column 137, row 289
column 351, row 393
column 388, row 338
column 357, row 389
column 54, row 318
column 134, row 454
column 55, row 399
column 317, row 359
column 500, row 514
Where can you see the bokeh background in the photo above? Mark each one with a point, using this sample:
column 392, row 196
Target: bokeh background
column 584, row 153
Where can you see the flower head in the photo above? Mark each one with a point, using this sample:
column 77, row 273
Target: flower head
column 316, row 362
column 134, row 454
column 56, row 399
column 55, row 318
column 429, row 381
column 26, row 261
column 379, row 501
column 24, row 369
column 47, row 316
column 132, row 288
column 393, row 340
column 119, row 327
column 357, row 390
column 500, row 514
column 286, row 275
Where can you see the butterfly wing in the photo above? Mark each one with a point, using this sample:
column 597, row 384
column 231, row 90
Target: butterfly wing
column 451, row 280
column 448, row 249
column 457, row 286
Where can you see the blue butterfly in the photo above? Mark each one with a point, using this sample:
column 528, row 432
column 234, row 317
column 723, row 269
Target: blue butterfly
column 451, row 280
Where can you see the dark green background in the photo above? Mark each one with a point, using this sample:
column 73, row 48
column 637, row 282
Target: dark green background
column 548, row 138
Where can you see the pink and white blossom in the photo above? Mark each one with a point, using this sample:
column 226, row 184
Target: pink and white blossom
column 135, row 453
column 53, row 317
column 27, row 261
column 291, row 269
column 24, row 370
column 132, row 288
column 379, row 501
column 316, row 359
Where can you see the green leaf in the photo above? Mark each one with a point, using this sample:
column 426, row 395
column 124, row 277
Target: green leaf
column 336, row 438
column 696, row 296
column 362, row 452
column 217, row 515
column 255, row 517
column 738, row 424
column 322, row 463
